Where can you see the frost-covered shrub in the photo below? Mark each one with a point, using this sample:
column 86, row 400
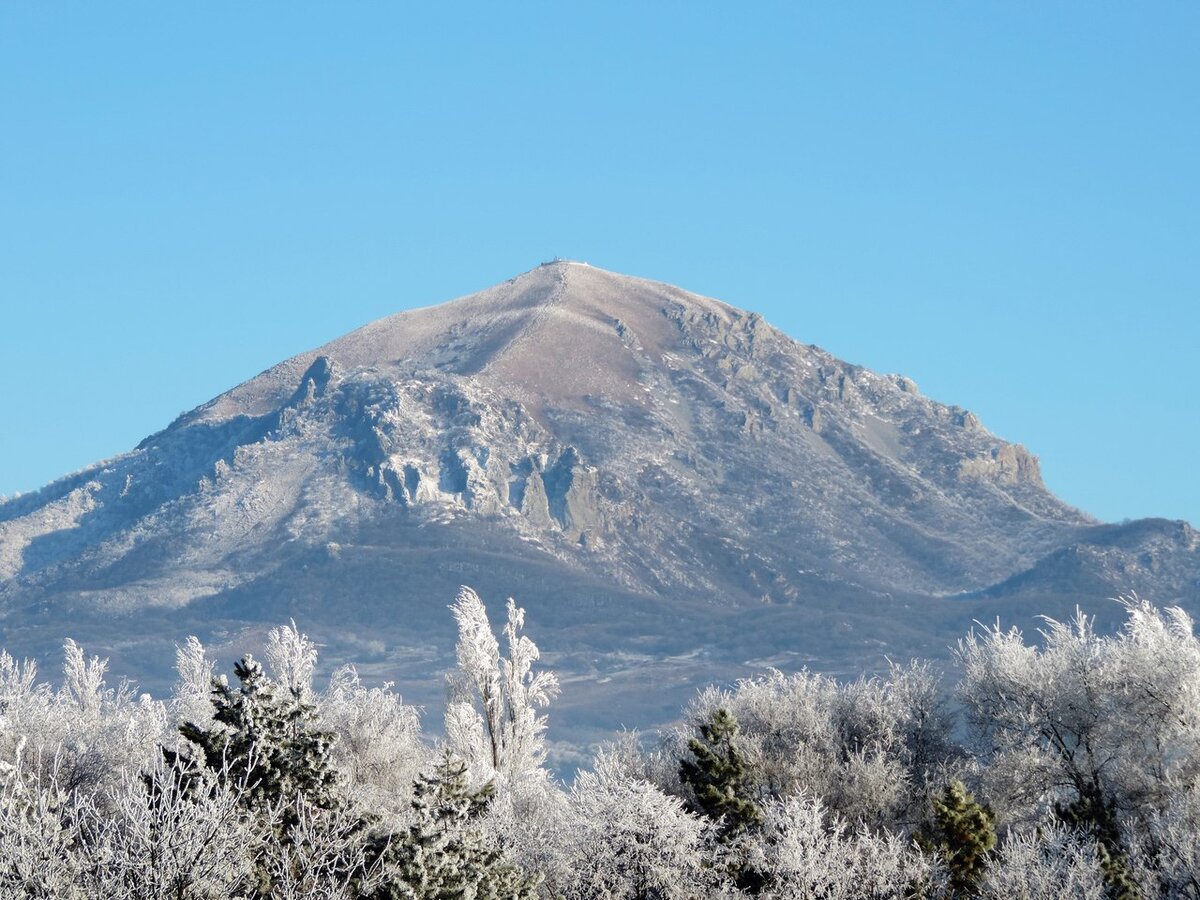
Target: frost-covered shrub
column 379, row 748
column 39, row 832
column 1104, row 726
column 805, row 852
column 1166, row 847
column 92, row 733
column 872, row 750
column 292, row 660
column 1050, row 863
column 164, row 835
column 630, row 840
column 325, row 856
column 193, row 688
column 532, row 826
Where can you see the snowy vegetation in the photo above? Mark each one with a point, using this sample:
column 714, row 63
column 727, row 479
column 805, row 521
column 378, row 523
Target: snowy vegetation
column 1066, row 766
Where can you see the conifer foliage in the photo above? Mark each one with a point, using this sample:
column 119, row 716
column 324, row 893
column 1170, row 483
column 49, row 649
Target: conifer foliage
column 265, row 736
column 1092, row 813
column 963, row 834
column 445, row 854
column 720, row 778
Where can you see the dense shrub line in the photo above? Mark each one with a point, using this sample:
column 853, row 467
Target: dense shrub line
column 1065, row 767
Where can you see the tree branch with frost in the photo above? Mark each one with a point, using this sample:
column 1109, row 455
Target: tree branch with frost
column 292, row 659
column 83, row 679
column 1104, row 720
column 492, row 719
column 193, row 687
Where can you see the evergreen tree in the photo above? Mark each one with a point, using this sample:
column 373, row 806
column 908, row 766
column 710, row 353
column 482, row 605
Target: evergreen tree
column 721, row 781
column 720, row 778
column 445, row 854
column 963, row 834
column 264, row 742
column 265, row 738
column 1092, row 813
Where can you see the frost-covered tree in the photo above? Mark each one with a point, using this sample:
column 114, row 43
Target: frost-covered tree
column 492, row 718
column 90, row 732
column 1048, row 863
column 161, row 838
column 445, row 852
column 529, row 826
column 292, row 660
column 324, row 856
column 631, row 841
column 39, row 833
column 193, row 687
column 871, row 750
column 1166, row 848
column 266, row 736
column 21, row 701
column 379, row 750
column 962, row 832
column 806, row 852
column 1087, row 743
column 1101, row 728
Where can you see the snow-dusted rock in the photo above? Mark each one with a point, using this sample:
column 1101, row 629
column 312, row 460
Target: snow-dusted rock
column 648, row 471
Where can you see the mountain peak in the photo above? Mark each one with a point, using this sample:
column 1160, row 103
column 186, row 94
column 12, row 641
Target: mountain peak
column 642, row 466
column 563, row 328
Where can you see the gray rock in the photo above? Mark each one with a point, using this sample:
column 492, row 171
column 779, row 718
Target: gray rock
column 535, row 505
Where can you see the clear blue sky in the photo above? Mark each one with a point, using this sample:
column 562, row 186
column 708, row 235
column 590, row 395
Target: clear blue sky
column 1000, row 200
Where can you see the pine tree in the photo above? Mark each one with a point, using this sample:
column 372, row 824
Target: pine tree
column 963, row 834
column 265, row 738
column 721, row 781
column 264, row 741
column 1091, row 812
column 720, row 778
column 445, row 854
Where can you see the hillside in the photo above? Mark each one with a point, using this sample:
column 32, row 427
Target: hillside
column 671, row 486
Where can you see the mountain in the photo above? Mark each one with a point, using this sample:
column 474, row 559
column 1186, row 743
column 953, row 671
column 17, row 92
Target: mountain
column 675, row 490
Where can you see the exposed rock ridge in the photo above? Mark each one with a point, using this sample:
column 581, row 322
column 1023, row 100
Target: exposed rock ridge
column 648, row 470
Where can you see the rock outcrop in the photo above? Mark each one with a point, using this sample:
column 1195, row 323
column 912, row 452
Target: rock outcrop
column 653, row 473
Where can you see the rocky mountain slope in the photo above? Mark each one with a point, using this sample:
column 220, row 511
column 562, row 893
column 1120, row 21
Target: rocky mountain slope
column 676, row 491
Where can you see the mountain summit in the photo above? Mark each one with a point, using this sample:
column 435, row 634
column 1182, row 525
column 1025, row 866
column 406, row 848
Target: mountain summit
column 652, row 473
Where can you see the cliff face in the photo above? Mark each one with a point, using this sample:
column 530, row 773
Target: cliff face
column 648, row 470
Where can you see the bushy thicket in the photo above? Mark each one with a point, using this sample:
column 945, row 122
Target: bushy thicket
column 1063, row 767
